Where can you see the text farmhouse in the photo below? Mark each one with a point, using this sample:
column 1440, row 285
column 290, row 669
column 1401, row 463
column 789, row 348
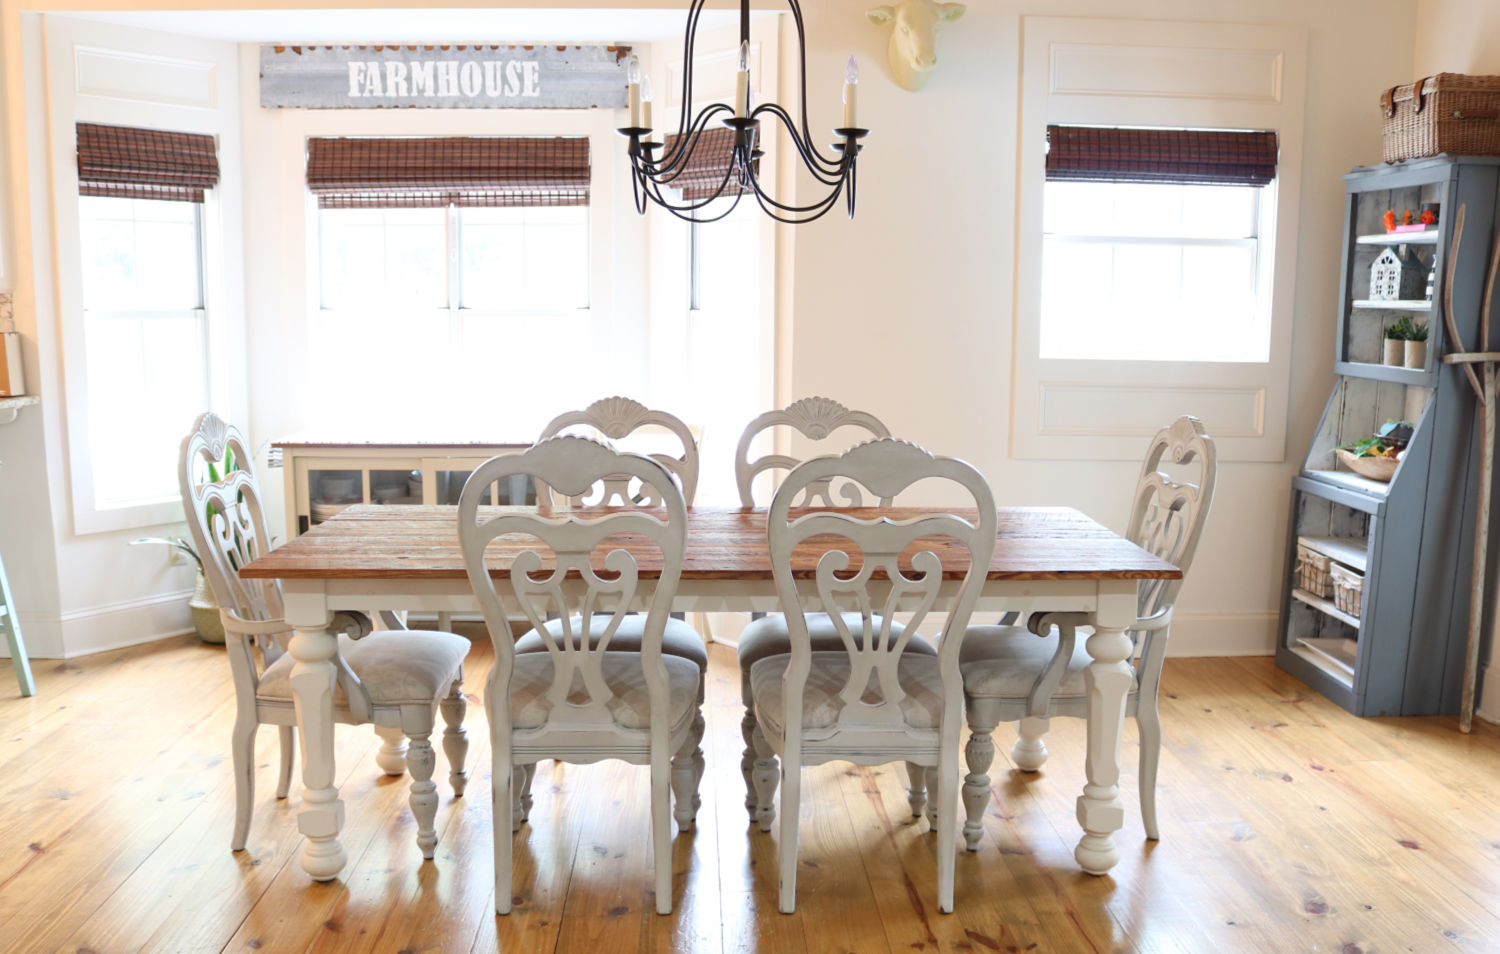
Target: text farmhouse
column 394, row 79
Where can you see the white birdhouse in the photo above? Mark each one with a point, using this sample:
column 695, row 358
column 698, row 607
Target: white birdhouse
column 1395, row 278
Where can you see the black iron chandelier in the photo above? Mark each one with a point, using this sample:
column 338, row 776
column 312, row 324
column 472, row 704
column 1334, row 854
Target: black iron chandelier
column 705, row 161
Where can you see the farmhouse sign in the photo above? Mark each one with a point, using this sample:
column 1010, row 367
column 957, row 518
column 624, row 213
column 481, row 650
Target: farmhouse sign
column 476, row 76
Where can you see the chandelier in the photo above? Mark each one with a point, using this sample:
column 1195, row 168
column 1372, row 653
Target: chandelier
column 706, row 160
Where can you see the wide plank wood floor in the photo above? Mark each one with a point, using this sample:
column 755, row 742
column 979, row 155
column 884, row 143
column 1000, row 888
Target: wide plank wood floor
column 1288, row 825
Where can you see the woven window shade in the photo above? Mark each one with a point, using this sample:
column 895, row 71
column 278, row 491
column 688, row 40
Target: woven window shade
column 429, row 173
column 1169, row 156
column 129, row 163
column 703, row 174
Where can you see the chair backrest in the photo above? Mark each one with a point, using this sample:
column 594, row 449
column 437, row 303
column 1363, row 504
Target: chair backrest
column 575, row 566
column 226, row 520
column 896, row 573
column 815, row 418
column 615, row 418
column 1167, row 516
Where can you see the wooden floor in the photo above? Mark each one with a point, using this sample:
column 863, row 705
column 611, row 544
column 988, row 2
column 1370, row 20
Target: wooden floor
column 1287, row 825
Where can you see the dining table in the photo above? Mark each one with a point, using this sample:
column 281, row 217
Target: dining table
column 407, row 558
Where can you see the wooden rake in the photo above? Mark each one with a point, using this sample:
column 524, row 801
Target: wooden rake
column 1486, row 392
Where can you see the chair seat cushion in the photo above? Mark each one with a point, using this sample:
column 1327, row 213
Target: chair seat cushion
column 677, row 639
column 1002, row 662
column 630, row 707
column 395, row 665
column 921, row 708
column 768, row 636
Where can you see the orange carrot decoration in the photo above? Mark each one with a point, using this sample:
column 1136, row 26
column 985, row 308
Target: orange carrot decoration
column 1406, row 217
column 1390, row 220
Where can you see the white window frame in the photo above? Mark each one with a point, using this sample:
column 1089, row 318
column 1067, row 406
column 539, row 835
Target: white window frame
column 1110, row 72
column 103, row 73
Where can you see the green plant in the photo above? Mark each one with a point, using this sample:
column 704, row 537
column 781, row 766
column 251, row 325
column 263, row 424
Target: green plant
column 1390, row 439
column 1401, row 329
column 1416, row 331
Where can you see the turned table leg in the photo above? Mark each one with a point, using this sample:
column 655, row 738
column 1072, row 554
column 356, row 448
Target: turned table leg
column 1107, row 682
column 322, row 812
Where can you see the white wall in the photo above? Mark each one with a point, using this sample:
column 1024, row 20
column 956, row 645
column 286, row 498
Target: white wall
column 907, row 311
column 1463, row 36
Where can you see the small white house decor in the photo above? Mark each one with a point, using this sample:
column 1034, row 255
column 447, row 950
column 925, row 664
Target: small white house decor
column 1397, row 278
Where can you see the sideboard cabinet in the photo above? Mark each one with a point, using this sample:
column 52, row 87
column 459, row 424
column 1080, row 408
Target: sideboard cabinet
column 1375, row 607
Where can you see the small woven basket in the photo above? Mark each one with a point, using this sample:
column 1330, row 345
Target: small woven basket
column 1312, row 572
column 1450, row 112
column 1348, row 587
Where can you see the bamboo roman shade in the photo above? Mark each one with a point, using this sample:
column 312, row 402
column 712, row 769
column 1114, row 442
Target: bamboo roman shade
column 432, row 173
column 129, row 163
column 1167, row 156
column 703, row 173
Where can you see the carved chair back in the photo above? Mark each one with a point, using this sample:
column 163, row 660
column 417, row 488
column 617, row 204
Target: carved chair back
column 226, row 520
column 815, row 418
column 880, row 567
column 575, row 567
column 615, row 419
column 1168, row 514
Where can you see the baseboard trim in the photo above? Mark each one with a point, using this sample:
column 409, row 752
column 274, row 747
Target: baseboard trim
column 1223, row 634
column 1489, row 695
column 98, row 629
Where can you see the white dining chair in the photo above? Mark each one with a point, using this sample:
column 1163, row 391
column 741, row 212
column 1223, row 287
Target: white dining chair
column 1032, row 673
column 617, row 420
column 829, row 424
column 390, row 678
column 583, row 700
column 869, row 701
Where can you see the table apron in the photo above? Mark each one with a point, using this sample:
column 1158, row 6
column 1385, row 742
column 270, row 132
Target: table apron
column 310, row 600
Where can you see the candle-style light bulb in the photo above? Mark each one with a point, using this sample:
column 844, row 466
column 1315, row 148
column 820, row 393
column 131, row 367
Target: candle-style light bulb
column 633, row 86
column 742, row 89
column 646, row 102
column 851, row 84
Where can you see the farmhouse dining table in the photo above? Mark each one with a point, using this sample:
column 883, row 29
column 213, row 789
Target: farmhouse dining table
column 407, row 558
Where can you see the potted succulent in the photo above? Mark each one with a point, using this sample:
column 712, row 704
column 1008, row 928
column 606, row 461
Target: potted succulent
column 1414, row 353
column 1395, row 342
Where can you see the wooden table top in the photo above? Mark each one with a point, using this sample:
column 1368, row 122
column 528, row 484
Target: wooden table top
column 421, row 543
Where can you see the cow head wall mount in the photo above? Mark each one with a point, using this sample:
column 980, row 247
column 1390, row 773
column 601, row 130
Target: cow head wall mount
column 913, row 48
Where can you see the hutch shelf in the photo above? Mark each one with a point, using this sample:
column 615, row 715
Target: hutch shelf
column 1375, row 608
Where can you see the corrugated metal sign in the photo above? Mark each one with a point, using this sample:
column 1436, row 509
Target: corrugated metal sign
column 476, row 76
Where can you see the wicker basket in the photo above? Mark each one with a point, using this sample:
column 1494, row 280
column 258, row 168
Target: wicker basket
column 1348, row 587
column 1313, row 571
column 1449, row 112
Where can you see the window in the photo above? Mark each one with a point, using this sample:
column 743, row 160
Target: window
column 1158, row 184
column 143, row 332
column 144, row 320
column 446, row 251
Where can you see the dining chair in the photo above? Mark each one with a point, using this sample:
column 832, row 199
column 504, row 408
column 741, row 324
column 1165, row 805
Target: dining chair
column 869, row 701
column 1029, row 674
column 584, row 700
column 617, row 419
column 815, row 419
column 14, row 641
column 392, row 678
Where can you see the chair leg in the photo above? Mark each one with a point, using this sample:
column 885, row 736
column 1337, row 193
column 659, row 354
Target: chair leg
column 916, row 788
column 980, row 755
column 242, row 747
column 943, row 781
column 932, row 805
column 421, row 760
column 502, row 795
column 683, row 771
column 392, row 755
column 765, row 776
column 288, row 756
column 528, row 775
column 791, row 798
column 520, row 798
column 747, row 760
column 1148, row 721
column 1030, row 751
column 13, row 639
column 455, row 739
column 700, row 727
column 661, row 832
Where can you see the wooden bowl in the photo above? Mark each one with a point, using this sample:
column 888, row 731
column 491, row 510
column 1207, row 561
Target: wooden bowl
column 1375, row 468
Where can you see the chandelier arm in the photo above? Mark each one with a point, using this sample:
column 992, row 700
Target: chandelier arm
column 690, row 39
column 820, row 206
column 687, row 144
column 802, row 59
column 811, row 157
column 801, row 216
column 686, row 210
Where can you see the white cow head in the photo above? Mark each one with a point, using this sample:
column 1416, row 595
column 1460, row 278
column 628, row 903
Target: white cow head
column 913, row 50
